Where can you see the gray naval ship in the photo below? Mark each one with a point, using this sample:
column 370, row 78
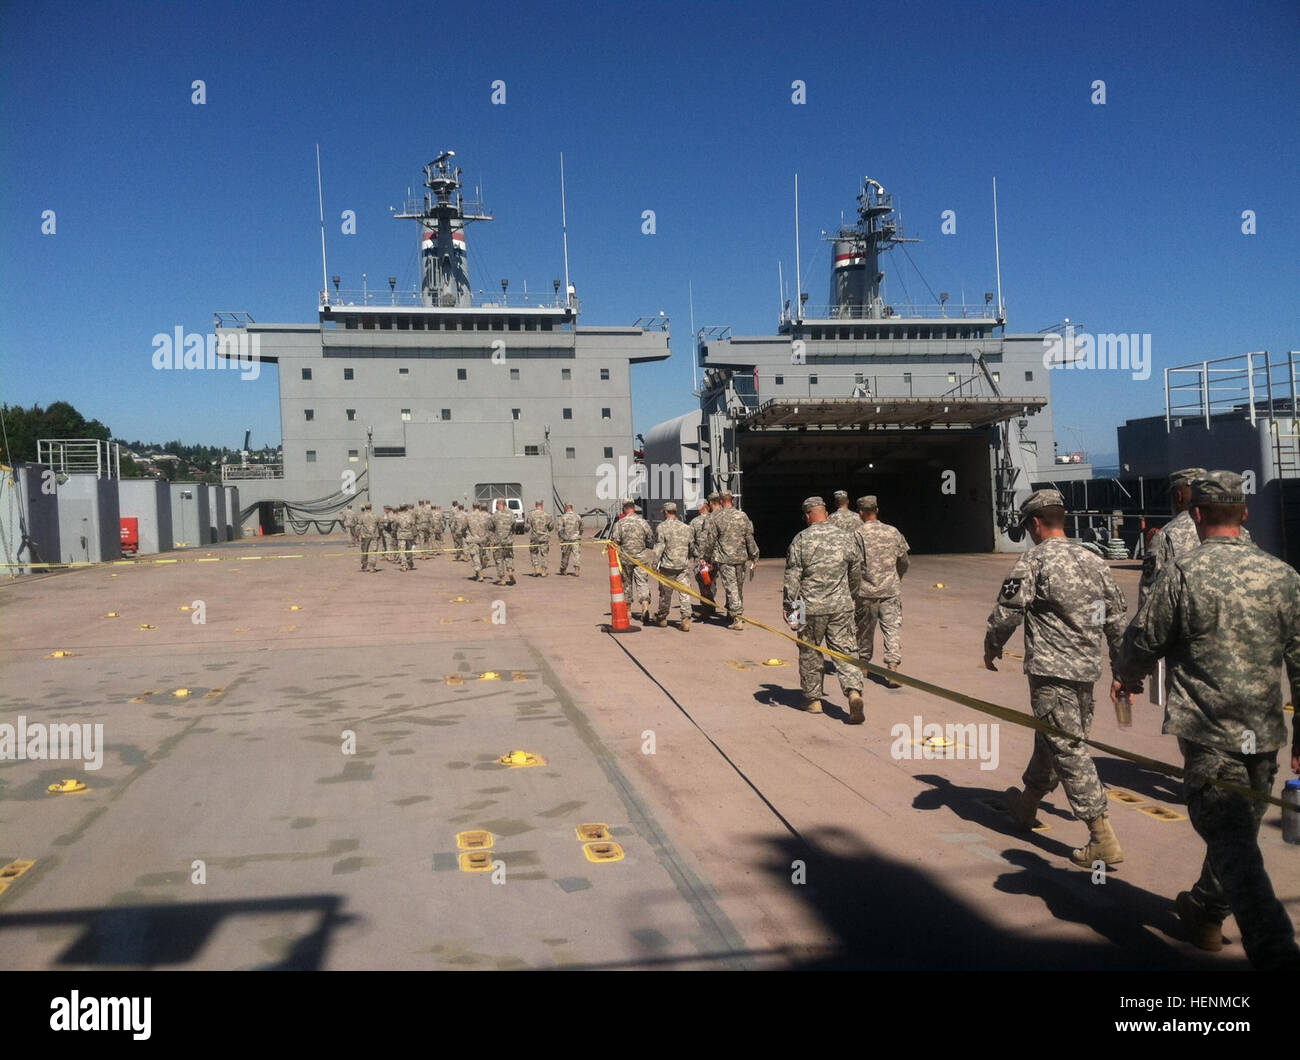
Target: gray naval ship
column 935, row 408
column 442, row 392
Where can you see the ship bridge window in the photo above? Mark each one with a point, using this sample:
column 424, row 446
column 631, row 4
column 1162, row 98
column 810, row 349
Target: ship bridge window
column 466, row 324
column 368, row 324
column 844, row 333
column 390, row 450
column 858, row 333
column 514, row 323
column 403, row 324
column 546, row 325
column 530, row 324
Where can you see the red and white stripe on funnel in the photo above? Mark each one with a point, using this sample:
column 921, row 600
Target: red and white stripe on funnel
column 430, row 235
column 847, row 261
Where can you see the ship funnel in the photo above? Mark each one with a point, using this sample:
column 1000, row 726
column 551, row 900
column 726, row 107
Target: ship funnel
column 857, row 284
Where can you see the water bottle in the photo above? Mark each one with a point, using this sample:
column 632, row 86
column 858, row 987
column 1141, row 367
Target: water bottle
column 1291, row 811
column 1124, row 710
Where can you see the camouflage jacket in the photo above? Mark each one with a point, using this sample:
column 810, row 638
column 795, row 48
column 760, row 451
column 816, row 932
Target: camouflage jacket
column 349, row 519
column 540, row 525
column 845, row 519
column 1176, row 538
column 886, row 559
column 823, row 568
column 730, row 536
column 674, row 545
column 478, row 526
column 423, row 519
column 503, row 526
column 633, row 535
column 460, row 520
column 405, row 523
column 699, row 528
column 368, row 525
column 570, row 526
column 1225, row 617
column 1069, row 602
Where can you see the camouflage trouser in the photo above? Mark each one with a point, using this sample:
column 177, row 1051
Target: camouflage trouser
column 570, row 550
column 505, row 557
column 1058, row 759
column 1233, row 877
column 458, row 540
column 540, row 553
column 837, row 631
column 354, row 535
column 668, row 596
column 404, row 553
column 888, row 612
column 477, row 553
column 368, row 543
column 639, row 580
column 733, row 581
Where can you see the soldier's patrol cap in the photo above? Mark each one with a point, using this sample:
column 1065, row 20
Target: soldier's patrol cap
column 714, row 496
column 1218, row 487
column 1038, row 500
column 1186, row 477
column 868, row 503
column 725, row 493
column 840, row 493
column 670, row 507
column 813, row 502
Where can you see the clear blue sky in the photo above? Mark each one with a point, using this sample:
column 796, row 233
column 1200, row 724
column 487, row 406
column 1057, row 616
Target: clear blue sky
column 1126, row 216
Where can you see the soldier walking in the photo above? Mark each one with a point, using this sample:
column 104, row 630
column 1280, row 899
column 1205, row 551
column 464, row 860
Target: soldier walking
column 350, row 526
column 882, row 586
column 540, row 528
column 731, row 544
column 571, row 540
column 1225, row 616
column 438, row 525
column 423, row 525
column 699, row 526
column 368, row 534
column 634, row 536
column 1067, row 598
column 503, row 529
column 459, row 530
column 823, row 570
column 404, row 522
column 477, row 537
column 843, row 516
column 672, row 555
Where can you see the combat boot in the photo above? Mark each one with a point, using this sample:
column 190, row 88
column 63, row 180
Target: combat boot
column 857, row 713
column 1204, row 932
column 662, row 623
column 1023, row 807
column 511, row 580
column 736, row 624
column 686, row 625
column 813, row 706
column 889, row 681
column 1103, row 846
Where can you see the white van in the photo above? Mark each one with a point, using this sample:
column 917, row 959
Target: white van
column 516, row 506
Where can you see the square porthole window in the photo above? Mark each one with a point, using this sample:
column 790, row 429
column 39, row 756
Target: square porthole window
column 570, row 453
column 462, row 373
column 311, row 456
column 347, row 373
column 403, row 371
column 779, row 380
column 609, row 452
column 604, row 374
column 514, row 373
column 446, row 414
column 352, row 414
column 306, row 373
column 604, row 414
column 567, row 414
column 352, row 456
column 566, row 373
column 1029, row 377
column 514, row 414
column 406, row 414
column 309, row 414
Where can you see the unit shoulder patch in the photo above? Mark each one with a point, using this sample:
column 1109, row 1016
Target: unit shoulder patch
column 1010, row 589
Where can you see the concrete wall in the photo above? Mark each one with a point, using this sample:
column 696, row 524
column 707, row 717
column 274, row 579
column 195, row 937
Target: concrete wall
column 190, row 519
column 216, row 515
column 149, row 501
column 233, row 529
column 29, row 518
column 89, row 520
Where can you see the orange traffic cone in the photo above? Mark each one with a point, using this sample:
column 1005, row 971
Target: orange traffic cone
column 617, row 601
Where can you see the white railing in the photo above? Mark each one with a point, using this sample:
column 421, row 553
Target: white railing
column 1248, row 384
column 80, row 456
column 234, row 472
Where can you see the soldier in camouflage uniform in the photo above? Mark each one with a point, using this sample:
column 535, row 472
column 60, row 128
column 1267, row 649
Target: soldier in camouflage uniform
column 571, row 540
column 423, row 525
column 698, row 527
column 350, row 525
column 634, row 536
column 503, row 537
column 540, row 528
column 1225, row 616
column 674, row 546
column 730, row 542
column 459, row 530
column 478, row 531
column 437, row 524
column 823, row 572
column 368, row 531
column 882, row 590
column 404, row 521
column 1067, row 599
column 843, row 516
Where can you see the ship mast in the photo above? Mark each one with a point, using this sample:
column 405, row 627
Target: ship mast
column 857, row 284
column 443, row 215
